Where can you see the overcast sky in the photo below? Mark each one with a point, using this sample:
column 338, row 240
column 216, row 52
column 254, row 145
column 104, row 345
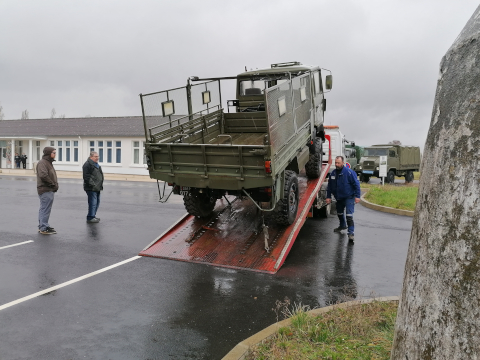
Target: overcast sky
column 86, row 57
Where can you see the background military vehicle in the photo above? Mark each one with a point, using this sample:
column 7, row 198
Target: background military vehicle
column 401, row 161
column 275, row 130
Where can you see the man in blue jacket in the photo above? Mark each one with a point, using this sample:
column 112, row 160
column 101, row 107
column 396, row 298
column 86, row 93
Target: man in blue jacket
column 344, row 185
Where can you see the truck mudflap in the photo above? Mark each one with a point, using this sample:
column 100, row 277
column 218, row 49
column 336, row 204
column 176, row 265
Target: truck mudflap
column 234, row 237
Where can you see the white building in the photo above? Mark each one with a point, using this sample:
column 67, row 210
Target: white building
column 119, row 142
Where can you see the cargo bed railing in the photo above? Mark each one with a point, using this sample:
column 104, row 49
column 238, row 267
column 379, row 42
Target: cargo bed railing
column 174, row 107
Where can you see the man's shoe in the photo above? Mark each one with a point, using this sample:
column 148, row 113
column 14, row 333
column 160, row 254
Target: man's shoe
column 339, row 229
column 94, row 220
column 48, row 231
column 48, row 227
column 351, row 238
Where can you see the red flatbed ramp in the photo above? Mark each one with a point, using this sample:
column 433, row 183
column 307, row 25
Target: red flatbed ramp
column 233, row 236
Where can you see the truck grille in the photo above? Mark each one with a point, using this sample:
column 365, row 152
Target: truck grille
column 369, row 165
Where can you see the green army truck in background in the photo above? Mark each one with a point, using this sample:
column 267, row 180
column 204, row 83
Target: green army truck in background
column 275, row 130
column 401, row 161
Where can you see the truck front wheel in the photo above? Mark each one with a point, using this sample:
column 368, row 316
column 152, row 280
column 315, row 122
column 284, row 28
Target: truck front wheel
column 390, row 177
column 199, row 204
column 286, row 209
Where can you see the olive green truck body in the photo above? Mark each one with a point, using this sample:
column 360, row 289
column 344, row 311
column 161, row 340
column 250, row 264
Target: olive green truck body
column 401, row 161
column 205, row 152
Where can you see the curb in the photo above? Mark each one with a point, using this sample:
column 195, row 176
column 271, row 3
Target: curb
column 241, row 350
column 384, row 208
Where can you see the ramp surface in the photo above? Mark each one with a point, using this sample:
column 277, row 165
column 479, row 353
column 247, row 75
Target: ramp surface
column 233, row 237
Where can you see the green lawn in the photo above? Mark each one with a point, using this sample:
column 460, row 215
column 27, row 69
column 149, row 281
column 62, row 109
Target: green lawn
column 358, row 332
column 398, row 197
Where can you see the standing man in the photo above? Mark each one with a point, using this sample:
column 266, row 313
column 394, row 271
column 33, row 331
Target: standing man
column 92, row 184
column 47, row 185
column 24, row 160
column 18, row 159
column 344, row 185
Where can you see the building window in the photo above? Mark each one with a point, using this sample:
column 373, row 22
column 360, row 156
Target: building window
column 138, row 152
column 109, row 151
column 65, row 149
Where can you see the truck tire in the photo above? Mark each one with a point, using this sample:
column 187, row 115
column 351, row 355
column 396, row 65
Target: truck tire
column 409, row 177
column 313, row 167
column 390, row 179
column 364, row 178
column 199, row 204
column 286, row 209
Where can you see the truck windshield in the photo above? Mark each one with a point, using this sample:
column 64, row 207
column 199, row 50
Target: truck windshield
column 375, row 152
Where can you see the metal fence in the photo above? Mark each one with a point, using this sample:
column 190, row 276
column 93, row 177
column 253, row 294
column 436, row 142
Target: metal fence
column 187, row 102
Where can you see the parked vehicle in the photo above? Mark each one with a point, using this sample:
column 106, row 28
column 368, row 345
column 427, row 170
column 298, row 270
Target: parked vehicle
column 341, row 147
column 275, row 130
column 401, row 161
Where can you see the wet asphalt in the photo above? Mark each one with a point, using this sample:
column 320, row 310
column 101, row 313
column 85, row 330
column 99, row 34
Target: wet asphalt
column 162, row 309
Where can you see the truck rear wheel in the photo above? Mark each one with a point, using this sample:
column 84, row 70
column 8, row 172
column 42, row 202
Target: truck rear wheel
column 313, row 167
column 409, row 177
column 199, row 204
column 286, row 209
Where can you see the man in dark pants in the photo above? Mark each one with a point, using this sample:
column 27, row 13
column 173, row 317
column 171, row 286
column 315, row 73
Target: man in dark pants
column 92, row 184
column 47, row 186
column 23, row 158
column 344, row 185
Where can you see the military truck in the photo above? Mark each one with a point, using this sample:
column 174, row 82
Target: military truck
column 401, row 161
column 256, row 149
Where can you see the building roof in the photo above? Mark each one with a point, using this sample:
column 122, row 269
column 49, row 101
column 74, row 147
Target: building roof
column 130, row 126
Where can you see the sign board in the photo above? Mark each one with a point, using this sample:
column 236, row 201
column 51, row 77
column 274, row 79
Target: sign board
column 382, row 172
column 348, row 165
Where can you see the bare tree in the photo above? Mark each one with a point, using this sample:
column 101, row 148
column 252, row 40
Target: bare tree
column 439, row 312
column 395, row 142
column 25, row 115
column 62, row 116
column 53, row 113
column 2, row 115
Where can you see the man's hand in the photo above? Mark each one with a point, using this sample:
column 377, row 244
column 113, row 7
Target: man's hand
column 357, row 200
column 328, row 201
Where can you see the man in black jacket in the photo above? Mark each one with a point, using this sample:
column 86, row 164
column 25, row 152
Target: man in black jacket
column 92, row 184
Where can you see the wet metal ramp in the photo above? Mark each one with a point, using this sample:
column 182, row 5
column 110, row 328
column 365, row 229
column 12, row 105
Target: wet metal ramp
column 233, row 236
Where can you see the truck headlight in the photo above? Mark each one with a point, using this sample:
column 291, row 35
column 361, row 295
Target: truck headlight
column 377, row 168
column 360, row 167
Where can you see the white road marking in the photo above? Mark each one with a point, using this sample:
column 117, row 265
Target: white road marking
column 22, row 243
column 53, row 288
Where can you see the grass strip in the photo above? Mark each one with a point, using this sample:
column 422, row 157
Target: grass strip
column 397, row 197
column 358, row 332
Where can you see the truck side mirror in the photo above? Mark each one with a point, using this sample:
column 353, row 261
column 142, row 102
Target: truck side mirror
column 328, row 82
